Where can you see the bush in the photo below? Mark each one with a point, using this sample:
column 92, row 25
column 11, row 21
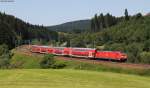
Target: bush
column 133, row 51
column 5, row 56
column 47, row 61
column 145, row 57
column 58, row 65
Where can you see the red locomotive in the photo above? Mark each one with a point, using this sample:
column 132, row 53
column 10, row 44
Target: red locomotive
column 80, row 52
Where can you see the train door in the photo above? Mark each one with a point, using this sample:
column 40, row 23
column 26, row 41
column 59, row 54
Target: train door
column 90, row 54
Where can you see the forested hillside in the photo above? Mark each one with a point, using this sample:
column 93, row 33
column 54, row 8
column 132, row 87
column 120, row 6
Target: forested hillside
column 130, row 35
column 13, row 29
column 74, row 26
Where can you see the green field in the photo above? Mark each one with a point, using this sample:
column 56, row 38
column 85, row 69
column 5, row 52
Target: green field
column 48, row 78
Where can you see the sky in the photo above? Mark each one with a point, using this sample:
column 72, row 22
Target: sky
column 53, row 12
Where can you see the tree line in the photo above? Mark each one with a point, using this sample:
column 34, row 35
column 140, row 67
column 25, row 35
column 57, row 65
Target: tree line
column 100, row 22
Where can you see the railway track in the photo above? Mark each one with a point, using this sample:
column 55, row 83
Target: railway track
column 107, row 63
column 25, row 49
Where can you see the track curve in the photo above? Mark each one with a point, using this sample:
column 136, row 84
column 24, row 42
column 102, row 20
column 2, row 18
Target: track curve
column 25, row 49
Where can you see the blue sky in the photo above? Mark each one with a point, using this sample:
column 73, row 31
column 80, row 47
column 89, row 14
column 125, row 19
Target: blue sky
column 52, row 12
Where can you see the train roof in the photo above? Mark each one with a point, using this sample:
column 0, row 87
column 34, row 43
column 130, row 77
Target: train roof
column 41, row 46
column 84, row 48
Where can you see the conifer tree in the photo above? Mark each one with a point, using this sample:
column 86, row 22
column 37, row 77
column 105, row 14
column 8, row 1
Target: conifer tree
column 126, row 15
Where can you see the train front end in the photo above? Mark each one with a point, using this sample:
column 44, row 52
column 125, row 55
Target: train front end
column 123, row 57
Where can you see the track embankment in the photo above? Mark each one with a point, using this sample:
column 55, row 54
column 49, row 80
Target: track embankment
column 25, row 49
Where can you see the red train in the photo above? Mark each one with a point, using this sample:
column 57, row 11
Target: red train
column 80, row 52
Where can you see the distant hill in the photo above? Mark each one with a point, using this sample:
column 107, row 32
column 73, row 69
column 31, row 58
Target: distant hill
column 80, row 25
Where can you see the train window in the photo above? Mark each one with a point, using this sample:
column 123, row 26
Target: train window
column 82, row 49
column 59, row 48
column 79, row 50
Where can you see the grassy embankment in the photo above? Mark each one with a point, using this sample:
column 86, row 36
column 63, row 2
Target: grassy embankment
column 28, row 62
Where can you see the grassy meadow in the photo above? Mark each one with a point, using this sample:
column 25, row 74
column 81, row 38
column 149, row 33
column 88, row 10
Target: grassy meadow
column 48, row 78
column 25, row 72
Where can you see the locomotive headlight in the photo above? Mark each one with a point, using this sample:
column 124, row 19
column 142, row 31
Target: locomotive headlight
column 124, row 56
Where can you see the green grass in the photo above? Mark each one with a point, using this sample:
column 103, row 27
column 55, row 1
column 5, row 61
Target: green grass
column 29, row 62
column 102, row 67
column 24, row 61
column 38, row 78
